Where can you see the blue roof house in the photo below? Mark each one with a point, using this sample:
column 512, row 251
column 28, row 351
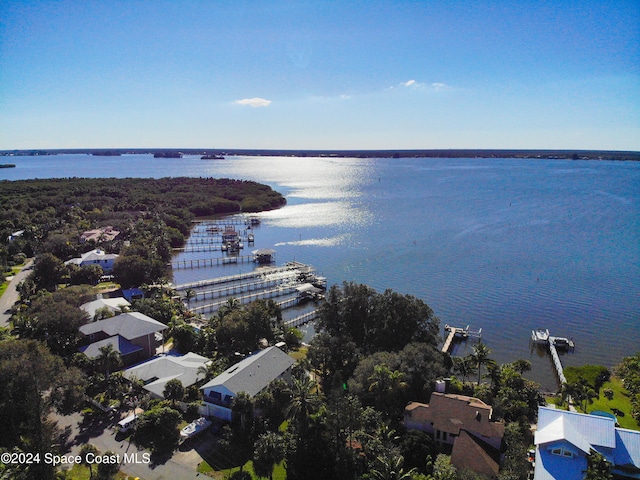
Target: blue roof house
column 565, row 439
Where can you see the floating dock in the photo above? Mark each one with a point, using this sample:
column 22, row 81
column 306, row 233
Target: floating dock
column 457, row 333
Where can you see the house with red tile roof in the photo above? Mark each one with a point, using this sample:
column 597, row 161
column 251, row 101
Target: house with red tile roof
column 462, row 425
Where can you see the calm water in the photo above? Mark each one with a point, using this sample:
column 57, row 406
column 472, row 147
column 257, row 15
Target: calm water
column 499, row 244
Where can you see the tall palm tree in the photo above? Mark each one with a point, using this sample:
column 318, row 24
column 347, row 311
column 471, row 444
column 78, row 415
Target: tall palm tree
column 189, row 295
column 86, row 449
column 269, row 450
column 304, row 401
column 463, row 366
column 109, row 358
column 480, row 357
column 242, row 408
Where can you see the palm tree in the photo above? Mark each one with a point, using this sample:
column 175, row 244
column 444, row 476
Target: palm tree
column 242, row 408
column 109, row 358
column 304, row 402
column 268, row 451
column 212, row 368
column 480, row 357
column 173, row 390
column 232, row 304
column 189, row 295
column 86, row 449
column 521, row 366
column 386, row 384
column 463, row 366
column 390, row 468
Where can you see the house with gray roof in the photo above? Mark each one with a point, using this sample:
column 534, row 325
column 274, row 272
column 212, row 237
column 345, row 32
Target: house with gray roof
column 155, row 373
column 134, row 335
column 251, row 375
column 564, row 440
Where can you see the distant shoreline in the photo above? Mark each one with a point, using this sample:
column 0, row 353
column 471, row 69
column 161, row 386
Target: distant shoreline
column 417, row 153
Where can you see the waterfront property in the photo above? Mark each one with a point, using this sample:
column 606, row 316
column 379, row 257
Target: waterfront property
column 104, row 234
column 564, row 440
column 134, row 335
column 155, row 373
column 463, row 426
column 251, row 375
column 95, row 257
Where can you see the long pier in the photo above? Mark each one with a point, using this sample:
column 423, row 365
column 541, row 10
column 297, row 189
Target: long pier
column 542, row 337
column 556, row 360
column 300, row 268
column 302, row 319
column 212, row 262
column 458, row 333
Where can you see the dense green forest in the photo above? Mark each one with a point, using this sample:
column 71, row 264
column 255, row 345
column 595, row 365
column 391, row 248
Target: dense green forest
column 54, row 212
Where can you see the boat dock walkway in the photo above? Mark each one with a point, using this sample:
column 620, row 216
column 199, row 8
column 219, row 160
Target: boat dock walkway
column 301, row 319
column 542, row 337
column 212, row 262
column 556, row 360
column 242, row 287
column 299, row 268
column 458, row 333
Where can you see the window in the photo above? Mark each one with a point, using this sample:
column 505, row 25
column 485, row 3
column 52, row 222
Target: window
column 562, row 452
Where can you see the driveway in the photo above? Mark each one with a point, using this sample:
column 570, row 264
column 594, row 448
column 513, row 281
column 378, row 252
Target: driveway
column 10, row 295
column 102, row 434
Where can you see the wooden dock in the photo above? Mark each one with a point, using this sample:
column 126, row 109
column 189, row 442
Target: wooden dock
column 458, row 333
column 302, row 319
column 297, row 267
column 553, row 344
column 212, row 262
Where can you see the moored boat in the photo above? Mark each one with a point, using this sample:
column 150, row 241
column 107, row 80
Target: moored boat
column 541, row 335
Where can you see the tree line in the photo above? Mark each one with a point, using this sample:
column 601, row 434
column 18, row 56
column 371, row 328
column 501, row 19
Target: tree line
column 153, row 216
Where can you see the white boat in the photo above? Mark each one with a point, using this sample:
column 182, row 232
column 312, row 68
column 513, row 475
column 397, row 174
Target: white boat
column 540, row 335
column 195, row 427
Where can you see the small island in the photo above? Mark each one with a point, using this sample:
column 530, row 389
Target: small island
column 7, row 165
column 212, row 156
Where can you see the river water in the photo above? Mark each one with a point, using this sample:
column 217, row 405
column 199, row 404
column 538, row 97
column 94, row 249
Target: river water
column 506, row 245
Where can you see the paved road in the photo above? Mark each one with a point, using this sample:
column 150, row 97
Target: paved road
column 181, row 466
column 10, row 296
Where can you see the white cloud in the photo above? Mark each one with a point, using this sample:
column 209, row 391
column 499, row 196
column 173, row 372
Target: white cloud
column 253, row 102
column 412, row 84
column 439, row 86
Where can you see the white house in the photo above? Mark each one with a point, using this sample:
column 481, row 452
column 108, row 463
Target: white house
column 564, row 440
column 95, row 257
column 114, row 305
column 156, row 372
column 251, row 375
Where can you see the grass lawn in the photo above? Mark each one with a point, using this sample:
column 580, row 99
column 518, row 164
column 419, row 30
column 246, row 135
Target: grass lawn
column 5, row 284
column 279, row 472
column 80, row 472
column 620, row 400
column 299, row 354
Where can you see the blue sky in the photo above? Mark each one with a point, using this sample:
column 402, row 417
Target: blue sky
column 320, row 75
